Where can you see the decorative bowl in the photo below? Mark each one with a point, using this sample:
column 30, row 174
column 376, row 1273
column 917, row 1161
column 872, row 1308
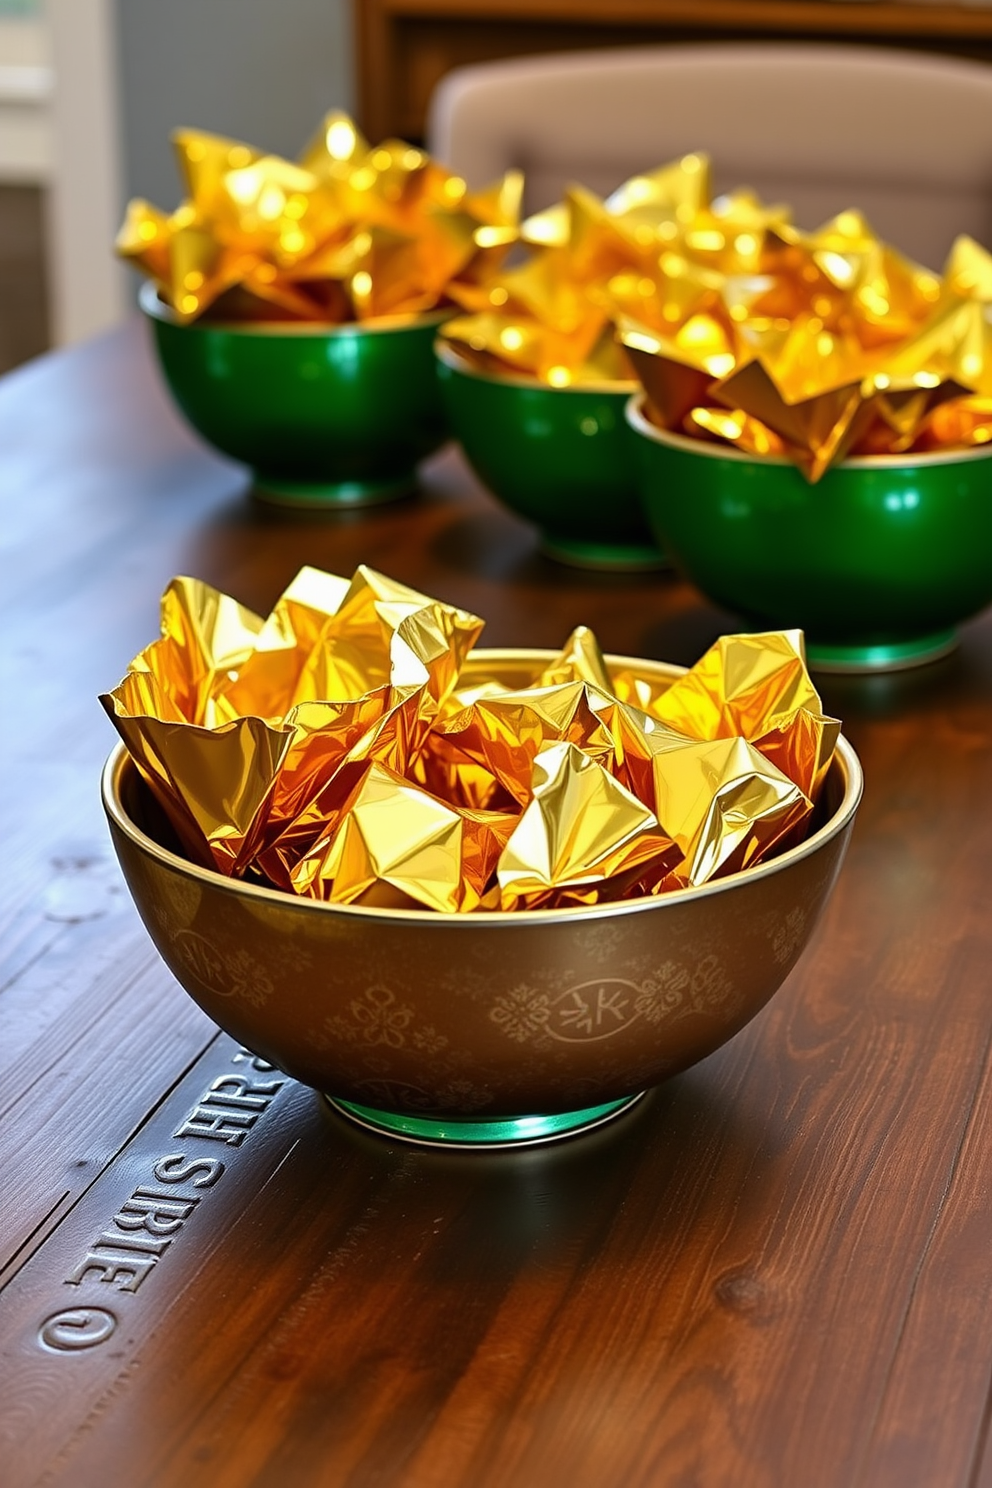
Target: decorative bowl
column 484, row 1029
column 324, row 415
column 878, row 562
column 563, row 458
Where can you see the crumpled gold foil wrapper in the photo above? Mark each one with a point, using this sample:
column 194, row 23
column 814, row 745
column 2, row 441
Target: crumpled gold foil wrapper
column 340, row 749
column 398, row 846
column 252, row 733
column 581, row 839
column 741, row 327
column 659, row 250
column 349, row 232
column 755, row 687
column 838, row 347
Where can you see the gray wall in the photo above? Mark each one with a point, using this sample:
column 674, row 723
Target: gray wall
column 264, row 71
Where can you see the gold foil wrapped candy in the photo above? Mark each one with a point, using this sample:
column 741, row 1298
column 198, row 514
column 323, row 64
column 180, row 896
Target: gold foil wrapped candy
column 486, row 753
column 841, row 347
column 252, row 732
column 725, row 805
column 582, row 838
column 349, row 232
column 351, row 747
column 756, row 687
column 399, row 846
column 742, row 327
column 657, row 251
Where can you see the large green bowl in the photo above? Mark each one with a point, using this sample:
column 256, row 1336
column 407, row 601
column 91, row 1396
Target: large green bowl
column 878, row 562
column 563, row 458
column 325, row 416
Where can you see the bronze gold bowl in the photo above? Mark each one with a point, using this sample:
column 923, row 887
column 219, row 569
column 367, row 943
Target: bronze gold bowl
column 325, row 416
column 487, row 1029
column 878, row 563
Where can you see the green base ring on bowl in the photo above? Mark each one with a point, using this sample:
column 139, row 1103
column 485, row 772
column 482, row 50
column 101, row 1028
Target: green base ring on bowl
column 627, row 556
column 887, row 658
column 504, row 1131
column 331, row 495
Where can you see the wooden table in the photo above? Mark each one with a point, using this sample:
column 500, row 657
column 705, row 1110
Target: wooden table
column 775, row 1273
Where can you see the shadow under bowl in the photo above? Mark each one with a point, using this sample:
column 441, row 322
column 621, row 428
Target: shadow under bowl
column 480, row 1030
column 324, row 415
column 878, row 562
column 563, row 458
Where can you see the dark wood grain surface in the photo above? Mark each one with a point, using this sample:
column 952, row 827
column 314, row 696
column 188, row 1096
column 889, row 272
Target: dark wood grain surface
column 776, row 1272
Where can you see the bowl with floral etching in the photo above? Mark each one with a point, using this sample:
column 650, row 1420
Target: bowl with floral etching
column 484, row 1029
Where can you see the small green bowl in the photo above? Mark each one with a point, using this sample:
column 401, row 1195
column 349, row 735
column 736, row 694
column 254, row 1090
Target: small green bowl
column 563, row 458
column 325, row 416
column 878, row 562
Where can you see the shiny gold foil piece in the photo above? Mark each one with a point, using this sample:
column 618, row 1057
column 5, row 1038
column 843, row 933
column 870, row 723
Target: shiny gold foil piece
column 213, row 784
column 735, row 427
column 485, row 754
column 723, row 801
column 756, row 687
column 963, row 423
column 676, row 378
column 396, row 836
column 580, row 660
column 725, row 805
column 581, row 839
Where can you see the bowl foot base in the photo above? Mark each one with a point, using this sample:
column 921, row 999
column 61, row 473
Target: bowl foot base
column 330, row 495
column 485, row 1133
column 633, row 557
column 884, row 658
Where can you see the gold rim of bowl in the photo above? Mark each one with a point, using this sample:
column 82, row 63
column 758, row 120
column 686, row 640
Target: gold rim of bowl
column 639, row 421
column 453, row 358
column 154, row 306
column 119, row 759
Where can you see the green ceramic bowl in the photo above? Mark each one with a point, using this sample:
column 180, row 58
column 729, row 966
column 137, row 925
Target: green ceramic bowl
column 563, row 458
column 325, row 416
column 878, row 563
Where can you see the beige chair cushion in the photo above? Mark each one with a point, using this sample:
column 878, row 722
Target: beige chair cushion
column 905, row 138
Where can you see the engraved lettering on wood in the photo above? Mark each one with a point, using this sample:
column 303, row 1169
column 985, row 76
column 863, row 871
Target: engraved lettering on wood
column 77, row 1328
column 152, row 1217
